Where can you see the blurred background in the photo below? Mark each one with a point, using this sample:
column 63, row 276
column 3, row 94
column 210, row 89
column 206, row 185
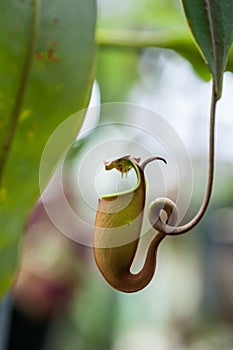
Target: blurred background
column 189, row 303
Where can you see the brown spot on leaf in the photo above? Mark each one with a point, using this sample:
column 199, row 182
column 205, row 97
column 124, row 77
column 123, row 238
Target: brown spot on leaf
column 55, row 20
column 51, row 55
column 39, row 56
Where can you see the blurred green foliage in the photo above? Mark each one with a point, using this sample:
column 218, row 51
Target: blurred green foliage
column 160, row 24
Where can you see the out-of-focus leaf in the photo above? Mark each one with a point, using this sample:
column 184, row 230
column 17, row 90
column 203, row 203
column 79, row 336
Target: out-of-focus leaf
column 132, row 42
column 114, row 85
column 51, row 66
column 153, row 24
column 142, row 15
column 211, row 22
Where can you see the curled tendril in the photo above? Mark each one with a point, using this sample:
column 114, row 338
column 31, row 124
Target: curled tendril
column 157, row 207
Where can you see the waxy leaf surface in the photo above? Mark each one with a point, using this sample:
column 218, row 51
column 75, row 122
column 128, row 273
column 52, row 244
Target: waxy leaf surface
column 211, row 22
column 47, row 51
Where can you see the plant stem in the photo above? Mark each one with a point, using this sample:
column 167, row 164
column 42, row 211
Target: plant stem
column 13, row 120
column 166, row 229
column 137, row 39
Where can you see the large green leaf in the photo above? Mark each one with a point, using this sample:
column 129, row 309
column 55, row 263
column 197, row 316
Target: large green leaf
column 47, row 51
column 211, row 22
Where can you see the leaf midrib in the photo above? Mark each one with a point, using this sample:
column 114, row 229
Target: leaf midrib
column 13, row 120
column 210, row 16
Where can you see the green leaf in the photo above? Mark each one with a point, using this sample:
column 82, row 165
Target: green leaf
column 47, row 50
column 211, row 22
column 229, row 66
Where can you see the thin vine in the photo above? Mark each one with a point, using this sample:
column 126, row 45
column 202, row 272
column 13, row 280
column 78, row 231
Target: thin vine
column 168, row 206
